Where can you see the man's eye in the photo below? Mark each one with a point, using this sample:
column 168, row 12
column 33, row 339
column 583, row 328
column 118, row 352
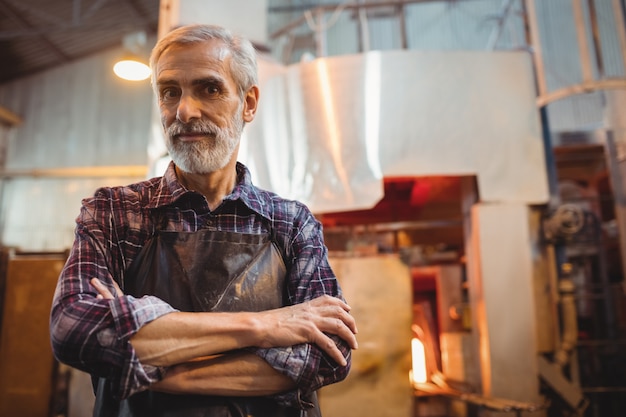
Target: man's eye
column 169, row 93
column 212, row 90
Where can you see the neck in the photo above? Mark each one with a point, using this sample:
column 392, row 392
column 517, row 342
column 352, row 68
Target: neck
column 213, row 186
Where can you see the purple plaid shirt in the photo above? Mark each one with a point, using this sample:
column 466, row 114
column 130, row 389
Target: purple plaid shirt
column 93, row 334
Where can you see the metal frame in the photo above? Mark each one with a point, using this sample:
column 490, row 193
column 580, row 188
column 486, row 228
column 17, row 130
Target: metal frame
column 357, row 6
column 589, row 83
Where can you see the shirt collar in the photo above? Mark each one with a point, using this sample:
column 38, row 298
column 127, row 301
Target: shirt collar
column 169, row 191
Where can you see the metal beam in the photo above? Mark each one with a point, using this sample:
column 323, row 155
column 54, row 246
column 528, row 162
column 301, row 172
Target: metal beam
column 567, row 390
column 7, row 117
column 139, row 171
column 332, row 7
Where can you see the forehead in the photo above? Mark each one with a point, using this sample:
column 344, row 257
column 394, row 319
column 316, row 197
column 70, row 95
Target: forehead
column 180, row 62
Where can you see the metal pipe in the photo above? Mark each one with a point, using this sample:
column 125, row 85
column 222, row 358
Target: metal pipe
column 393, row 226
column 561, row 93
column 568, row 317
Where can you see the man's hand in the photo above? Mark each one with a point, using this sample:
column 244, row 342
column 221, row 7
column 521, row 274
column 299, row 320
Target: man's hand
column 307, row 323
column 287, row 326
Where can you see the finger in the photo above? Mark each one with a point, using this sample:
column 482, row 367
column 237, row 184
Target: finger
column 332, row 324
column 101, row 288
column 349, row 321
column 328, row 345
column 344, row 332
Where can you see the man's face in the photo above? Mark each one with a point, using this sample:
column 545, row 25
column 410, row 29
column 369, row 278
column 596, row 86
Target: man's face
column 201, row 110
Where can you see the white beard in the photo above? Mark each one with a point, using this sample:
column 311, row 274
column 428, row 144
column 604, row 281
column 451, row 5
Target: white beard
column 209, row 155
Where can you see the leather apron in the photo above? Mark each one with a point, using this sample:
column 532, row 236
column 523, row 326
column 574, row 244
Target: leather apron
column 204, row 271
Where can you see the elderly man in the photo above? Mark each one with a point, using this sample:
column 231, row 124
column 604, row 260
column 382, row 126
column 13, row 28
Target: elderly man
column 197, row 293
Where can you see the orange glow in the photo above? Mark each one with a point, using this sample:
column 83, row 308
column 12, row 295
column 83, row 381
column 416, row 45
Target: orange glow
column 418, row 373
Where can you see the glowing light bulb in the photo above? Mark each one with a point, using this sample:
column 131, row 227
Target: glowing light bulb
column 131, row 70
column 418, row 354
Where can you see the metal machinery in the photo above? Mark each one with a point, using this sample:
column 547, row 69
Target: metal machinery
column 436, row 215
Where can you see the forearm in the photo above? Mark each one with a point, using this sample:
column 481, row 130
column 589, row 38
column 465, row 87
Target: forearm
column 180, row 337
column 230, row 374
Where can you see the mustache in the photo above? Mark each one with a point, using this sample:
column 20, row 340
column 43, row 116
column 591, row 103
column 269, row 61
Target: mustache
column 194, row 127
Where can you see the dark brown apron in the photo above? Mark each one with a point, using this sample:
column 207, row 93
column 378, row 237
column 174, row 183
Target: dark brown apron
column 204, row 271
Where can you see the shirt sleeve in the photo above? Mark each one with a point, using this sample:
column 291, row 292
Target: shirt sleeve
column 309, row 276
column 93, row 334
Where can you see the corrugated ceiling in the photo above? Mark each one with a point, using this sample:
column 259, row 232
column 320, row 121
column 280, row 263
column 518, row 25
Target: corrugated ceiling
column 40, row 34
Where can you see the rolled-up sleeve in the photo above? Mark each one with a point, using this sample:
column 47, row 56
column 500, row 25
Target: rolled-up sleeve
column 309, row 276
column 93, row 334
column 309, row 367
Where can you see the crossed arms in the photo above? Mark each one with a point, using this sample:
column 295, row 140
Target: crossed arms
column 190, row 345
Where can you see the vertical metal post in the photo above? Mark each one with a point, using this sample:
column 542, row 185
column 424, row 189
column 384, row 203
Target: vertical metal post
column 359, row 29
column 320, row 34
column 402, row 19
column 583, row 46
column 615, row 151
column 597, row 45
column 620, row 27
column 169, row 16
column 535, row 43
column 364, row 28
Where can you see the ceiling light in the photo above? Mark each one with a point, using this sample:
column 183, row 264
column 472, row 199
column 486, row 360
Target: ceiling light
column 131, row 69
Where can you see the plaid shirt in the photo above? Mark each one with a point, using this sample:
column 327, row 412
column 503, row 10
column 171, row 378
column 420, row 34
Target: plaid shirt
column 93, row 334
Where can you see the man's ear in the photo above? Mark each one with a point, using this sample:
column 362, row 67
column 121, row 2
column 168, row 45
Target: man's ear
column 250, row 103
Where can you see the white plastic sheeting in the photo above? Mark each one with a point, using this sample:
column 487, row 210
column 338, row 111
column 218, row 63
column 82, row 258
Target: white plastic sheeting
column 329, row 130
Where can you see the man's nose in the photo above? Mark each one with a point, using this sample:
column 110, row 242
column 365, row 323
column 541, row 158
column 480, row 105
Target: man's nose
column 188, row 109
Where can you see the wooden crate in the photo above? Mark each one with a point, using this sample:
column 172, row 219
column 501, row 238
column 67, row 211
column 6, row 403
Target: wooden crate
column 26, row 361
